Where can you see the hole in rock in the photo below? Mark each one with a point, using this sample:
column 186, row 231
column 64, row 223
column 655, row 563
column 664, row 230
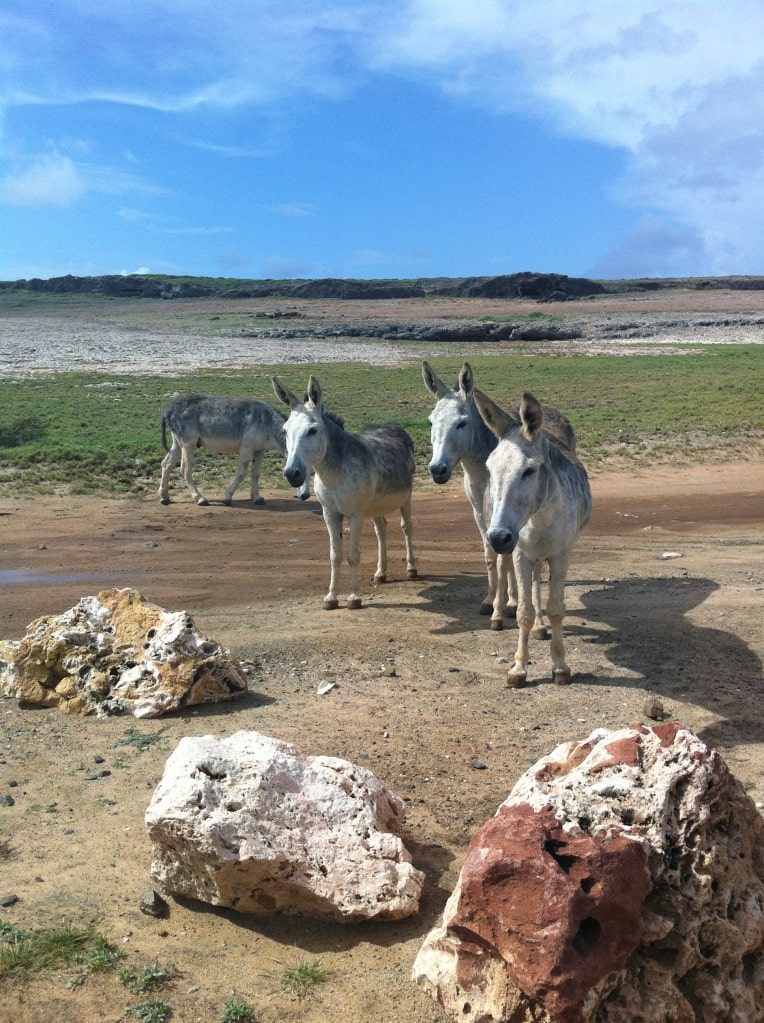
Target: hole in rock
column 587, row 936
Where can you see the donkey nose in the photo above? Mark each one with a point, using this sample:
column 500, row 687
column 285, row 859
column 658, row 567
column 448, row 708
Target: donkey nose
column 294, row 475
column 440, row 472
column 503, row 541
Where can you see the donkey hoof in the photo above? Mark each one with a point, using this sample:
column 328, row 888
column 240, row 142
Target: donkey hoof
column 486, row 608
column 331, row 603
column 164, row 500
column 510, row 612
column 561, row 676
column 227, row 501
column 379, row 579
column 516, row 679
column 354, row 603
column 202, row 502
column 258, row 502
column 540, row 633
column 497, row 625
column 412, row 573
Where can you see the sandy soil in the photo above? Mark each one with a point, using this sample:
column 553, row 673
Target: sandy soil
column 443, row 731
column 689, row 630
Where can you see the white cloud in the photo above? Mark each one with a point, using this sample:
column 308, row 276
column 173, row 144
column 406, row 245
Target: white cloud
column 50, row 180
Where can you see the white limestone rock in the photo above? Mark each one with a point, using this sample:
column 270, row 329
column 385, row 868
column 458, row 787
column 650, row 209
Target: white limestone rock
column 116, row 653
column 253, row 824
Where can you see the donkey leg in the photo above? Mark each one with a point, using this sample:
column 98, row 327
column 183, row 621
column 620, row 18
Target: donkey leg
column 186, row 465
column 491, row 565
column 241, row 468
column 169, row 462
column 518, row 673
column 334, row 527
column 380, row 528
column 502, row 574
column 558, row 570
column 408, row 538
column 254, row 490
column 354, row 560
column 540, row 630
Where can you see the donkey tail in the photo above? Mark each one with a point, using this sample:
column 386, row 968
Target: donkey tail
column 165, row 445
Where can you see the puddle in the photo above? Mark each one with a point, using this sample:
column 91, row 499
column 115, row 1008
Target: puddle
column 11, row 576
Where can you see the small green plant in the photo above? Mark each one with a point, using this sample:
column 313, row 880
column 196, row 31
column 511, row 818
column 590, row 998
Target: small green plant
column 152, row 976
column 154, row 1011
column 141, row 740
column 237, row 1012
column 301, row 979
column 26, row 953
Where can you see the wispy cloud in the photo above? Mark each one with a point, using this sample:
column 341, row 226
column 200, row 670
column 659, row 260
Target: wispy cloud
column 49, row 180
column 292, row 209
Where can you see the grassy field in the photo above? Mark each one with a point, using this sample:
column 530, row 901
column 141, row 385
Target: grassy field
column 87, row 433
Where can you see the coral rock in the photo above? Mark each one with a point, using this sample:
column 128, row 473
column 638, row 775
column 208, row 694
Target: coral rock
column 621, row 880
column 115, row 653
column 251, row 823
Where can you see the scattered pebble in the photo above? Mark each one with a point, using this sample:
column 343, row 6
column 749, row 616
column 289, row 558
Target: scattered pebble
column 325, row 687
column 653, row 709
column 152, row 904
column 8, row 900
column 668, row 555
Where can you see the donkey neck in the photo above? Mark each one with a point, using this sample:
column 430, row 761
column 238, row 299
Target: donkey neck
column 483, row 441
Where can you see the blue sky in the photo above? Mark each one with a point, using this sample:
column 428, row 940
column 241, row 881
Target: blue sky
column 381, row 138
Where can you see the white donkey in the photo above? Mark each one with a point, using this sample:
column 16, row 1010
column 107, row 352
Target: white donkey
column 459, row 435
column 540, row 503
column 246, row 427
column 357, row 476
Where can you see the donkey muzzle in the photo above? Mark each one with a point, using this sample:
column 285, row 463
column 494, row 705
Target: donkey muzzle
column 294, row 475
column 503, row 541
column 440, row 472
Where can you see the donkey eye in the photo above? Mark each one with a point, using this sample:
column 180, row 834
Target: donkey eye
column 461, row 424
column 528, row 472
column 311, row 430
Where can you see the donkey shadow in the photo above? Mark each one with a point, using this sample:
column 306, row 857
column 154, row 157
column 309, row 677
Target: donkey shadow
column 648, row 633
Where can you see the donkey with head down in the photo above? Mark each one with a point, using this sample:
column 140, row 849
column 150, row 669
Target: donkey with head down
column 540, row 503
column 246, row 427
column 357, row 476
column 459, row 435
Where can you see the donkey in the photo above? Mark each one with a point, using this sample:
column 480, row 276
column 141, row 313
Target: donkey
column 458, row 434
column 357, row 476
column 540, row 503
column 246, row 427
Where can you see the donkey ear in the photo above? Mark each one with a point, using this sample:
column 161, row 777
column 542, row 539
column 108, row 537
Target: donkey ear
column 531, row 415
column 283, row 393
column 495, row 418
column 466, row 380
column 314, row 393
column 432, row 381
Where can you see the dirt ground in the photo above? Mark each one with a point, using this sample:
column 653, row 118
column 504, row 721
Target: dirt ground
column 444, row 731
column 665, row 599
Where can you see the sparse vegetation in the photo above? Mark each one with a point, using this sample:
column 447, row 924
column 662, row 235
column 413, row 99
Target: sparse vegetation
column 141, row 740
column 300, row 980
column 150, row 978
column 237, row 1012
column 154, row 1011
column 24, row 954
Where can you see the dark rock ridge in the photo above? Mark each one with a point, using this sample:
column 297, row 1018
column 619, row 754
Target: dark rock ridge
column 543, row 287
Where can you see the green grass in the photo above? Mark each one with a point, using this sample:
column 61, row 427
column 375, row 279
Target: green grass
column 141, row 740
column 92, row 433
column 153, row 1011
column 303, row 978
column 150, row 977
column 24, row 954
column 237, row 1012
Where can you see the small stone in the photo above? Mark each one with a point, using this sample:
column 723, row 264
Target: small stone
column 6, row 800
column 152, row 904
column 653, row 709
column 99, row 760
column 8, row 900
column 477, row 765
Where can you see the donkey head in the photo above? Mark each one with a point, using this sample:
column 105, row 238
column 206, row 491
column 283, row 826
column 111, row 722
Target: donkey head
column 517, row 468
column 304, row 430
column 453, row 421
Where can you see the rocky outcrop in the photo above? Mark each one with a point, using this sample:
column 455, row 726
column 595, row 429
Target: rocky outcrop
column 115, row 653
column 621, row 880
column 251, row 823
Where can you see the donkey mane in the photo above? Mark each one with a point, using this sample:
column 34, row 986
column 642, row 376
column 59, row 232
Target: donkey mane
column 334, row 417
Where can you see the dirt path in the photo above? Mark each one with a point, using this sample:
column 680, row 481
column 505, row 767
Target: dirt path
column 689, row 629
